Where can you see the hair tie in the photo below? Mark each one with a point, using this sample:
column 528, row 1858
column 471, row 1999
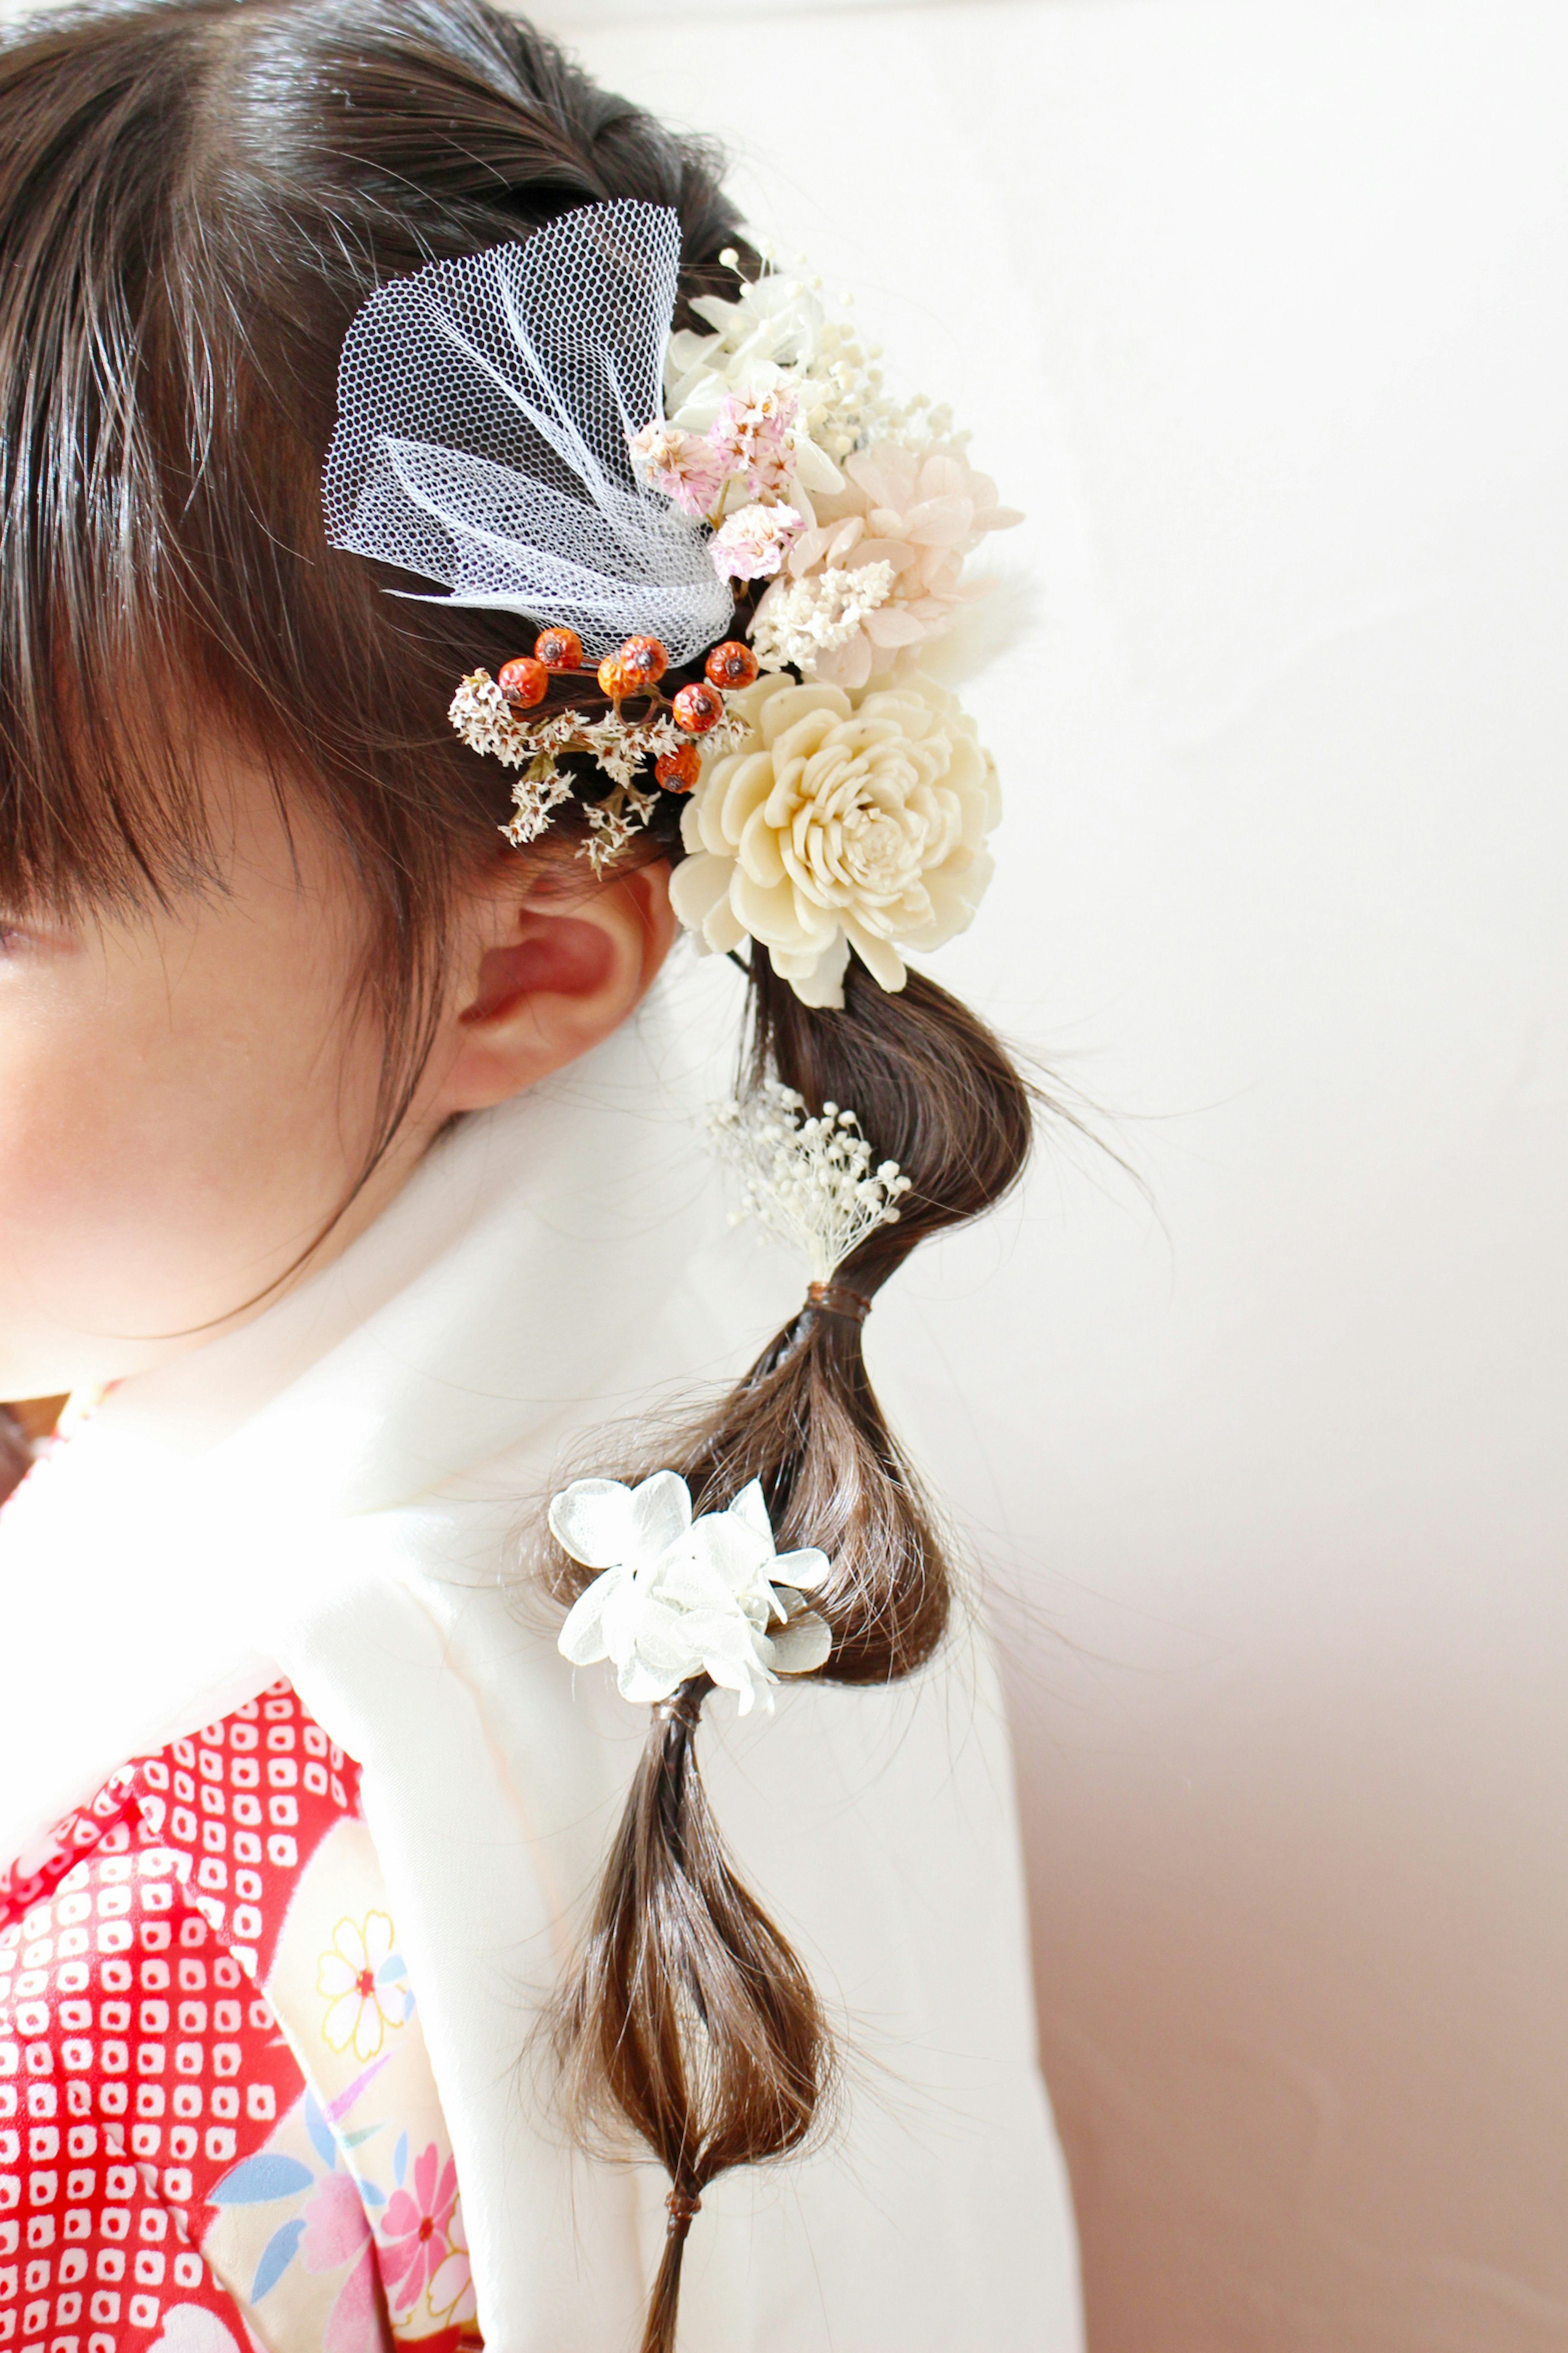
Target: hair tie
column 684, row 2206
column 682, row 1706
column 836, row 1299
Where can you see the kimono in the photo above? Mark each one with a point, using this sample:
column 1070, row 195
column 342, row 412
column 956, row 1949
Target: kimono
column 327, row 1513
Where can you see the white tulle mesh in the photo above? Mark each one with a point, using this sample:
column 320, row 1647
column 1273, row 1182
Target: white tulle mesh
column 484, row 406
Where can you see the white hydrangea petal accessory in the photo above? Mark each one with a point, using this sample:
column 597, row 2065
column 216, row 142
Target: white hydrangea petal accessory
column 680, row 1596
column 484, row 410
column 809, row 1180
column 603, row 1524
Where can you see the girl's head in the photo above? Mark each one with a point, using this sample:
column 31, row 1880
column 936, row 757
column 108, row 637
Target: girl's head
column 260, row 936
column 257, row 925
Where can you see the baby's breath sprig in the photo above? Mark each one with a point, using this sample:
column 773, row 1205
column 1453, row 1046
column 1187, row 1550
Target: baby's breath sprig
column 808, row 1179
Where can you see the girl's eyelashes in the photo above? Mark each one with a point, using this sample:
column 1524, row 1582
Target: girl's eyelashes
column 22, row 936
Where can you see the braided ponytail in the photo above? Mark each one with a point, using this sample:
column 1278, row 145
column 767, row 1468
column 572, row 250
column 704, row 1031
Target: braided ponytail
column 686, row 2014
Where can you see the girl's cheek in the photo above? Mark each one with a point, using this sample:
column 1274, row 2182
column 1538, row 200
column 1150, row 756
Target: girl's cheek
column 171, row 1133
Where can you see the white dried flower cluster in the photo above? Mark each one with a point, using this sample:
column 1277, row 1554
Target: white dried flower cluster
column 612, row 823
column 621, row 748
column 804, row 619
column 726, row 736
column 777, row 333
column 485, row 719
column 808, row 1179
column 536, row 793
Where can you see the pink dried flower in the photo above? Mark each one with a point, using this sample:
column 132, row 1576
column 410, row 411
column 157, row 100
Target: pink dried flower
column 750, row 436
column 680, row 464
column 752, row 543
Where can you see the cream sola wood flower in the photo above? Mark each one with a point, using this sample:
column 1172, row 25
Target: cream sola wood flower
column 844, row 820
column 680, row 1596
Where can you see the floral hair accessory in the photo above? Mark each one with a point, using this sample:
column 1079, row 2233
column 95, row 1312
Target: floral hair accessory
column 840, row 821
column 810, row 1180
column 680, row 1596
column 524, row 426
column 488, row 718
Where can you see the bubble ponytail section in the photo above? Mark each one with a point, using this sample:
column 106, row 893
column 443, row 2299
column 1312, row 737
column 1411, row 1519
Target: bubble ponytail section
column 687, row 2016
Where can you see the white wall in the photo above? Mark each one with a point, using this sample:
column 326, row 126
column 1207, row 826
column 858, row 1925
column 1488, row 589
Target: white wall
column 1260, row 309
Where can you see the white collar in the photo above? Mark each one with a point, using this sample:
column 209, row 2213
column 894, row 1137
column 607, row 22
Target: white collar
column 151, row 1570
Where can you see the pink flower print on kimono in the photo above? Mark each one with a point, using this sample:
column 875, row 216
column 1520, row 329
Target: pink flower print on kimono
column 337, row 2230
column 363, row 1981
column 422, row 2253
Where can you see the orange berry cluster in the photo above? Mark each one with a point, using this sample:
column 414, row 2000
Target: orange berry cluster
column 635, row 667
column 525, row 679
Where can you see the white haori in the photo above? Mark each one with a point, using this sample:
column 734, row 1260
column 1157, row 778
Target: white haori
column 336, row 1493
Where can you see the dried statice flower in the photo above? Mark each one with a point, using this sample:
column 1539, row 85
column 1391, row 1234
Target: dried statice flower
column 754, row 436
column 753, row 542
column 808, row 1179
column 731, row 732
column 684, row 466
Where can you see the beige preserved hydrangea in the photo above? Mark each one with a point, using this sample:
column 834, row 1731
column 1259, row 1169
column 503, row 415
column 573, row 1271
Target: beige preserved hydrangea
column 844, row 820
column 907, row 517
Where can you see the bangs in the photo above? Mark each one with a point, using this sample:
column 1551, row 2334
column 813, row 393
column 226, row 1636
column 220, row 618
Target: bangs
column 100, row 798
column 196, row 196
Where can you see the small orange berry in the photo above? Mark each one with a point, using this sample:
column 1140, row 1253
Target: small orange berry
column 524, row 680
column 698, row 708
column 560, row 650
column 643, row 660
column 613, row 680
column 679, row 770
column 732, row 664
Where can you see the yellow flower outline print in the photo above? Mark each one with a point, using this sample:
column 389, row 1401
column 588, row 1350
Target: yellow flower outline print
column 354, row 1976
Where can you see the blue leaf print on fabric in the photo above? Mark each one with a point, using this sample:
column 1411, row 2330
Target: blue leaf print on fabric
column 276, row 2257
column 393, row 1972
column 400, row 2159
column 260, row 2180
column 369, row 2192
column 321, row 2132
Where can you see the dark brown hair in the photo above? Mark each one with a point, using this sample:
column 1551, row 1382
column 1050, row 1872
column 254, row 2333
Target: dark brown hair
column 195, row 196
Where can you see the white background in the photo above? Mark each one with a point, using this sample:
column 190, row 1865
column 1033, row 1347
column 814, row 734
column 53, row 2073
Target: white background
column 1260, row 311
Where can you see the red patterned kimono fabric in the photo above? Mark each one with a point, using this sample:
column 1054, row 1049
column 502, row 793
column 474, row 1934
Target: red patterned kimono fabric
column 201, row 2145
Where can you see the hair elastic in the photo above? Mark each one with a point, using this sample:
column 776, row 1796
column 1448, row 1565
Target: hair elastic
column 682, row 1706
column 684, row 2206
column 836, row 1299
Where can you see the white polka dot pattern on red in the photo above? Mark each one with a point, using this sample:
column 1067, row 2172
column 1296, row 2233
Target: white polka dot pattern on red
column 139, row 2059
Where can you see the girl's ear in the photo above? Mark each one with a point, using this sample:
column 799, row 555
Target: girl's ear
column 548, row 971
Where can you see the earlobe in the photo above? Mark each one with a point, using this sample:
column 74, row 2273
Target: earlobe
column 551, row 971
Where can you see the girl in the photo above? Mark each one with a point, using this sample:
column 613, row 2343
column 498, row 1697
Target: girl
column 351, row 1946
